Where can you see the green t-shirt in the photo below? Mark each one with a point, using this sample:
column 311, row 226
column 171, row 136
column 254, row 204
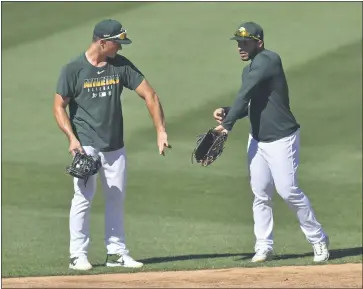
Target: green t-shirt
column 264, row 96
column 95, row 92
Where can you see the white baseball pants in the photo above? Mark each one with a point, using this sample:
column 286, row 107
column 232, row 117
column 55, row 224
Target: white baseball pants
column 272, row 165
column 113, row 179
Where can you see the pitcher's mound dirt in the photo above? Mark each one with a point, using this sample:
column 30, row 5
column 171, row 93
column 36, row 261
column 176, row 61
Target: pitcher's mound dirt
column 323, row 276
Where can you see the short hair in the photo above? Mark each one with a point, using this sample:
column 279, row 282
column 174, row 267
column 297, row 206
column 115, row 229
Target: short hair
column 95, row 38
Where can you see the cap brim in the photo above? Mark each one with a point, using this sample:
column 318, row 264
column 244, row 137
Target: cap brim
column 122, row 41
column 239, row 38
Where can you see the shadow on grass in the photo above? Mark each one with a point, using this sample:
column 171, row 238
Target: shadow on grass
column 334, row 254
column 155, row 260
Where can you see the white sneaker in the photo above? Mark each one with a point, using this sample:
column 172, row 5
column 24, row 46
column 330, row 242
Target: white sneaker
column 321, row 251
column 80, row 263
column 118, row 260
column 262, row 255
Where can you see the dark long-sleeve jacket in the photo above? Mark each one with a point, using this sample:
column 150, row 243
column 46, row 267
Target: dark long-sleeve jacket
column 264, row 97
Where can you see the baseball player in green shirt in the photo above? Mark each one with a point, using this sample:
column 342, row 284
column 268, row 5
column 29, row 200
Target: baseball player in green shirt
column 273, row 144
column 91, row 85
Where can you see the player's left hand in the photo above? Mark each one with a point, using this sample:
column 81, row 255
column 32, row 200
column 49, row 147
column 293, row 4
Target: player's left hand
column 220, row 128
column 163, row 142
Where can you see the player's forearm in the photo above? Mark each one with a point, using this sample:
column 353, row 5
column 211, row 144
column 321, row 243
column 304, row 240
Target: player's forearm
column 237, row 111
column 241, row 115
column 156, row 111
column 63, row 122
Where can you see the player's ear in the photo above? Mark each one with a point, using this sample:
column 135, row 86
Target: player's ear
column 102, row 42
column 260, row 43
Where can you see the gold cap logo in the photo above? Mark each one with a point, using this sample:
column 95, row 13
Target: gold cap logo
column 243, row 32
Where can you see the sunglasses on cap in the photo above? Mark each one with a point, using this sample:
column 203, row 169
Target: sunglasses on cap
column 246, row 34
column 122, row 36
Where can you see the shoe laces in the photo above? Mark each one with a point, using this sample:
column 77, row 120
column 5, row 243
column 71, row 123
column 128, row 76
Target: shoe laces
column 319, row 248
column 125, row 257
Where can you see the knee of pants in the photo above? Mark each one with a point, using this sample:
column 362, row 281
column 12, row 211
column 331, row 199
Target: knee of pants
column 289, row 192
column 262, row 190
column 81, row 204
column 262, row 200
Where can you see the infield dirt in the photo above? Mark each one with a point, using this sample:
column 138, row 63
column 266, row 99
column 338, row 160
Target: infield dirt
column 323, row 276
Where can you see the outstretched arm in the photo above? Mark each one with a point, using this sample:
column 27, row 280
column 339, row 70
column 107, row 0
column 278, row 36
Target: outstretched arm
column 145, row 91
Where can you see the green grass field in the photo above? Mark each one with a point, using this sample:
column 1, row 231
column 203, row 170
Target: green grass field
column 179, row 215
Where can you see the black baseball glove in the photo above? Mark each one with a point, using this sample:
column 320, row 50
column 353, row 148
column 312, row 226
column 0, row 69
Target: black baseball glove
column 83, row 166
column 209, row 147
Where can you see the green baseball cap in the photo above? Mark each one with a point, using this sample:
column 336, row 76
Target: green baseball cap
column 112, row 30
column 248, row 30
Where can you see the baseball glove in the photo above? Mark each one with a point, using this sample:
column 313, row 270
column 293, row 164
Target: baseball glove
column 209, row 147
column 83, row 166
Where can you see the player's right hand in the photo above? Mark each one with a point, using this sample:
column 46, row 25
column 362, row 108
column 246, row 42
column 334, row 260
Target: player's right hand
column 219, row 114
column 163, row 142
column 74, row 146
